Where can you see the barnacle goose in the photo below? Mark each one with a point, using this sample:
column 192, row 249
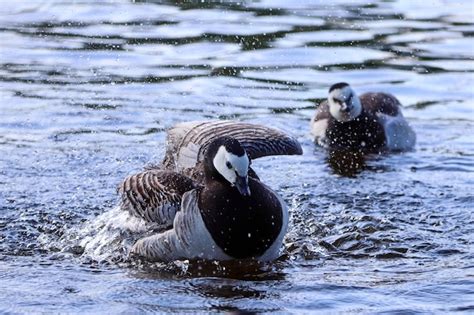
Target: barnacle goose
column 208, row 200
column 371, row 123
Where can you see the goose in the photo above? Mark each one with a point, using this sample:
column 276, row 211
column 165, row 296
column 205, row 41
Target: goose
column 371, row 123
column 208, row 201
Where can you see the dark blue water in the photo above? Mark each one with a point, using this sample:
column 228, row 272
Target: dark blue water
column 88, row 89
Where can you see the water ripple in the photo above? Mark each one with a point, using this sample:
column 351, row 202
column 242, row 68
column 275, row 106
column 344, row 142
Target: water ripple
column 89, row 88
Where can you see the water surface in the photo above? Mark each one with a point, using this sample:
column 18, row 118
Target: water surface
column 88, row 89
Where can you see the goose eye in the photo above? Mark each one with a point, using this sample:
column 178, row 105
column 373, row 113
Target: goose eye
column 228, row 164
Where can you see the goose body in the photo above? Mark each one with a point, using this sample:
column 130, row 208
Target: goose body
column 370, row 123
column 206, row 197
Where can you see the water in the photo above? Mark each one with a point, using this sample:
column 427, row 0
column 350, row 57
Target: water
column 88, row 89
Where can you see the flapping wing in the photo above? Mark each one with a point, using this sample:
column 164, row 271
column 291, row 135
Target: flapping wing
column 380, row 103
column 187, row 142
column 154, row 195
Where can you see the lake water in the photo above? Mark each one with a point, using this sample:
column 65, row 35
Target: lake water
column 88, row 89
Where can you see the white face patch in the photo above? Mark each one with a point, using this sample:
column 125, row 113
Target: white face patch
column 238, row 165
column 344, row 104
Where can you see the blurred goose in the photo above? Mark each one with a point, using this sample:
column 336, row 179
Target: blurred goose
column 205, row 198
column 370, row 123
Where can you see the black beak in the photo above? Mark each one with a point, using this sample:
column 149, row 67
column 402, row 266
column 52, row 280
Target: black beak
column 242, row 185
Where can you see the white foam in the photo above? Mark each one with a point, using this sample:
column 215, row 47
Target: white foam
column 110, row 234
column 107, row 237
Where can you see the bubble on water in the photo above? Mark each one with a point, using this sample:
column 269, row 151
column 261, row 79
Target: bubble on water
column 105, row 238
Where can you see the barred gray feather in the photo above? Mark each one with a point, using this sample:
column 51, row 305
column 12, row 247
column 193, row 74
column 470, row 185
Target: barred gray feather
column 188, row 238
column 154, row 195
column 257, row 140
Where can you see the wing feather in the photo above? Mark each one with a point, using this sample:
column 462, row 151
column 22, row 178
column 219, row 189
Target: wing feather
column 258, row 141
column 380, row 103
column 154, row 195
column 188, row 239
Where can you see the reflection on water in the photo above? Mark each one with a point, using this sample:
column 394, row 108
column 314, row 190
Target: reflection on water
column 88, row 89
column 346, row 162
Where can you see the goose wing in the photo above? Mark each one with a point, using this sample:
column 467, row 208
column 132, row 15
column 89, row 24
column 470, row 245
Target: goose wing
column 380, row 103
column 399, row 135
column 187, row 239
column 187, row 142
column 154, row 195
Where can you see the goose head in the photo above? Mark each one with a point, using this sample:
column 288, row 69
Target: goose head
column 226, row 159
column 344, row 104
